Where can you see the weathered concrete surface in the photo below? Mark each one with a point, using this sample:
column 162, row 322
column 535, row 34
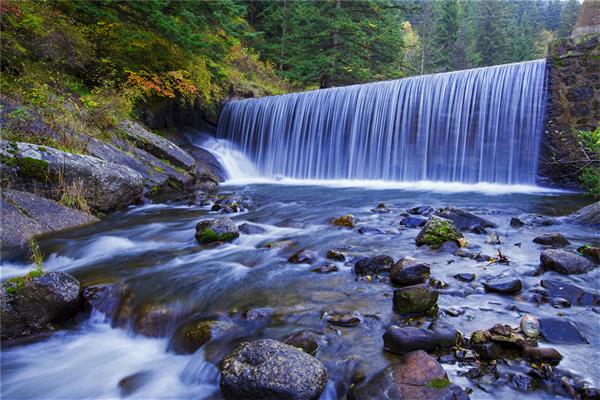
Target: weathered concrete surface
column 589, row 18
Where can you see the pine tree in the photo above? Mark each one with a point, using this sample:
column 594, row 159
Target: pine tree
column 568, row 17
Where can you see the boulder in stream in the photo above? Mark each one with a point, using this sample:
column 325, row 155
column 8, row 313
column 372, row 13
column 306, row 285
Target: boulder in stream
column 554, row 239
column 347, row 221
column 216, row 230
column 34, row 303
column 401, row 340
column 503, row 285
column 269, row 369
column 416, row 376
column 565, row 262
column 589, row 215
column 409, row 271
column 416, row 299
column 437, row 231
column 191, row 337
column 373, row 265
column 464, row 220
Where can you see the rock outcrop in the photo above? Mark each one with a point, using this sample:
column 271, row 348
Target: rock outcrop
column 25, row 215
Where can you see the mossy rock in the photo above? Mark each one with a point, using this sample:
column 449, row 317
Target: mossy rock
column 437, row 231
column 216, row 230
column 347, row 221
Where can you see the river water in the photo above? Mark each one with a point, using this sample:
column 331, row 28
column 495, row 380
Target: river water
column 152, row 250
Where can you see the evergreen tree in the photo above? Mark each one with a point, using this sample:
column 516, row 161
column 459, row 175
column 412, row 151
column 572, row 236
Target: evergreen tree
column 568, row 17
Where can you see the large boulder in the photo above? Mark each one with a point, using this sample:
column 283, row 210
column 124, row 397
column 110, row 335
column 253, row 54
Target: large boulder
column 33, row 304
column 554, row 239
column 25, row 215
column 268, row 369
column 437, row 231
column 589, row 215
column 104, row 185
column 216, row 230
column 156, row 145
column 416, row 376
column 565, row 262
column 464, row 220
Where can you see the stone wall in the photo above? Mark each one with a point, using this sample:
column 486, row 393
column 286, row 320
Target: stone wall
column 573, row 104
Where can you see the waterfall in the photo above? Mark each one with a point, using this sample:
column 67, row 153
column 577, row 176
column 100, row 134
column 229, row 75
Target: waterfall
column 477, row 125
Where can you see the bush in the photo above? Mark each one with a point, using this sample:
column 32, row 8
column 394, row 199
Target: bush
column 590, row 174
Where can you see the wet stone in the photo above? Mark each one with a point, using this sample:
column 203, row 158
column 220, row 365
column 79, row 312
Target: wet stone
column 574, row 294
column 335, row 255
column 132, row 383
column 302, row 257
column 560, row 331
column 552, row 239
column 402, row 340
column 346, row 221
column 465, row 277
column 516, row 222
column 413, row 222
column 465, row 220
column 325, row 268
column 409, row 271
column 503, row 286
column 542, row 354
column 421, row 210
column 251, row 229
column 373, row 265
column 414, row 299
column 565, row 262
column 523, row 383
column 343, row 318
column 370, row 230
column 308, row 341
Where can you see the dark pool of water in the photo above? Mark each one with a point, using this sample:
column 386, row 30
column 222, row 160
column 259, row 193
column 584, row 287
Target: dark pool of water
column 152, row 249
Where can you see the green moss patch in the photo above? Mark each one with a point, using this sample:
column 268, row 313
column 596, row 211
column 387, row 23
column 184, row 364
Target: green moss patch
column 210, row 236
column 438, row 383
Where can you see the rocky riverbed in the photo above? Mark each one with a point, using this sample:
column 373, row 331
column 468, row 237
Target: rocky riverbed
column 316, row 292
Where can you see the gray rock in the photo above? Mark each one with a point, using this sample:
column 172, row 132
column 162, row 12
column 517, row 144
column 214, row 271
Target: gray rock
column 413, row 222
column 565, row 262
column 465, row 277
column 268, row 369
column 325, row 268
column 589, row 215
column 51, row 298
column 251, row 229
column 574, row 294
column 216, row 230
column 552, row 239
column 416, row 376
column 421, row 210
column 113, row 300
column 156, row 145
column 342, row 318
column 373, row 265
column 25, row 215
column 308, row 341
column 556, row 330
column 370, row 230
column 104, row 185
column 414, row 299
column 405, row 339
column 409, row 271
column 464, row 220
column 503, row 286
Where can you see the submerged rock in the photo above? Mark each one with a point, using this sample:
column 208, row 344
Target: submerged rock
column 413, row 222
column 325, row 268
column 231, row 204
column 308, row 341
column 33, row 304
column 402, row 340
column 134, row 382
column 437, row 231
column 216, row 230
column 556, row 330
column 421, row 210
column 574, row 294
column 348, row 221
column 464, row 220
column 552, row 239
column 465, row 277
column 516, row 222
column 589, row 215
column 409, row 271
column 303, row 257
column 155, row 320
column 251, row 229
column 415, row 299
column 416, row 376
column 113, row 300
column 335, row 255
column 565, row 262
column 503, row 286
column 268, row 369
column 593, row 253
column 190, row 338
column 343, row 318
column 370, row 230
column 373, row 265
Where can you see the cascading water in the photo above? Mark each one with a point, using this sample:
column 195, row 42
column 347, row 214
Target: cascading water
column 478, row 125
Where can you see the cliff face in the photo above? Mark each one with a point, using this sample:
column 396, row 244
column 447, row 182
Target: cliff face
column 573, row 104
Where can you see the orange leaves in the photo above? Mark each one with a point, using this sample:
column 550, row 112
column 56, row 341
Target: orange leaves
column 168, row 84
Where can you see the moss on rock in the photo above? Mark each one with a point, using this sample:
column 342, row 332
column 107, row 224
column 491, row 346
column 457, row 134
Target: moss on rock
column 437, row 231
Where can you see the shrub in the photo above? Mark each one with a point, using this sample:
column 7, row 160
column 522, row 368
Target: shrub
column 590, row 174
